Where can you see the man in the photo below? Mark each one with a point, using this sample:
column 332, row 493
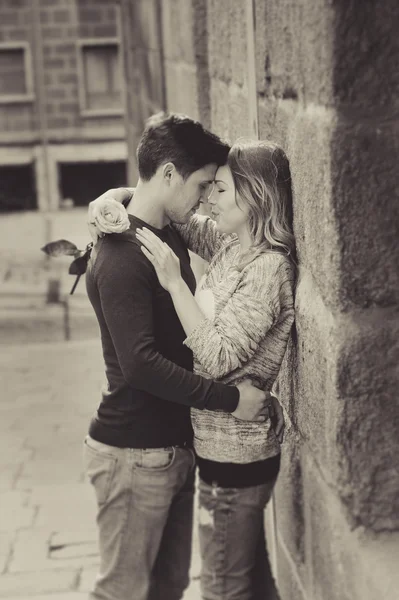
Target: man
column 138, row 453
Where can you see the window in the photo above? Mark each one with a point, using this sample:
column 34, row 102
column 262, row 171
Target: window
column 18, row 188
column 15, row 73
column 101, row 78
column 87, row 180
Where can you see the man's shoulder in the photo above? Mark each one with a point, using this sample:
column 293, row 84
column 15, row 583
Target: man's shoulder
column 120, row 253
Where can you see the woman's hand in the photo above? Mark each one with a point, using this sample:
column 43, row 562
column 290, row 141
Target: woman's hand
column 162, row 257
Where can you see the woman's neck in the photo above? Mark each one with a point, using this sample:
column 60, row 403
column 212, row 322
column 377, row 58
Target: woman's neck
column 244, row 237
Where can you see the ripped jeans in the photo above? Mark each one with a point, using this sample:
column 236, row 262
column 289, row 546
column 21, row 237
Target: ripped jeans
column 230, row 523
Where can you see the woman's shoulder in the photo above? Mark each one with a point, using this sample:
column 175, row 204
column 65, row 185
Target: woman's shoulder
column 271, row 262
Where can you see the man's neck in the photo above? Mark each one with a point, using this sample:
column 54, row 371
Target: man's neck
column 145, row 205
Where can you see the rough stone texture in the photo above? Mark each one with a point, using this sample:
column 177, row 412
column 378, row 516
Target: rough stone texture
column 293, row 59
column 367, row 429
column 289, row 585
column 364, row 159
column 327, row 83
column 349, row 564
column 343, row 159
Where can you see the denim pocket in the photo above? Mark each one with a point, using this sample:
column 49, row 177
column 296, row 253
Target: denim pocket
column 100, row 469
column 156, row 459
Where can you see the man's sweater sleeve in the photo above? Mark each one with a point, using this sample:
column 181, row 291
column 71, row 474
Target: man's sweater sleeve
column 125, row 283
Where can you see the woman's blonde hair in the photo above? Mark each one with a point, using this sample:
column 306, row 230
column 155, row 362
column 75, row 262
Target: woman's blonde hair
column 262, row 178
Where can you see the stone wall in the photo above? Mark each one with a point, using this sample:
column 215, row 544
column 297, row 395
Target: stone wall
column 327, row 83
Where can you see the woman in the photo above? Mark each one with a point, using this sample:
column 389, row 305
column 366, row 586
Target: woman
column 237, row 325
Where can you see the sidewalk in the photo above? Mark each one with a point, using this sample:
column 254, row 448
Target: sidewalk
column 48, row 548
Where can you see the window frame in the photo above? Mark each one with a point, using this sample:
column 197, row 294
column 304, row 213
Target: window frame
column 29, row 96
column 97, row 112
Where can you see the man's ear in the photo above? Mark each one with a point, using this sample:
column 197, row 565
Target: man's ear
column 168, row 172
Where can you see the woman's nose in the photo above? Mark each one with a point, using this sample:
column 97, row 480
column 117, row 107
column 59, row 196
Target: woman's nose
column 212, row 197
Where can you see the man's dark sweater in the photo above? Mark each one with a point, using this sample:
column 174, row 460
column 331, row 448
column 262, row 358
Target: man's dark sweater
column 151, row 386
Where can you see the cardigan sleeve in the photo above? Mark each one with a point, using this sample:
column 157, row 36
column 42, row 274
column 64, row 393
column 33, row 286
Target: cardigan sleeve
column 228, row 342
column 202, row 237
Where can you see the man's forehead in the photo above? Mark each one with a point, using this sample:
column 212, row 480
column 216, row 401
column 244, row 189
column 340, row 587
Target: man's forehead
column 207, row 173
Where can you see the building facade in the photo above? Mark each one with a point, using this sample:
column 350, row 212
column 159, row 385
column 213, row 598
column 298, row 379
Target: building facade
column 62, row 103
column 320, row 78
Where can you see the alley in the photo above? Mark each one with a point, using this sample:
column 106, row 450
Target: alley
column 48, row 548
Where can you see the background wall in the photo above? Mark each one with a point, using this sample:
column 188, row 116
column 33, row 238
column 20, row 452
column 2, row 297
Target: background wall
column 327, row 83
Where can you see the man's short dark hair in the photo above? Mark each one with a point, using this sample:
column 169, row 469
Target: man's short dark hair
column 180, row 140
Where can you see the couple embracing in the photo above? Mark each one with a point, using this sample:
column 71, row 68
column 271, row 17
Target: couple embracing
column 189, row 370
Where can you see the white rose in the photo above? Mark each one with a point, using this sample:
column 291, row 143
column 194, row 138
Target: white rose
column 108, row 216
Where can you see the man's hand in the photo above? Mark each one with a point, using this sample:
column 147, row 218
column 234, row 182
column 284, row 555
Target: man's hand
column 277, row 418
column 253, row 404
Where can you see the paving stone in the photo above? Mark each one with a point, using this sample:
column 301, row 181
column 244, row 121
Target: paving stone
column 65, row 507
column 16, row 512
column 8, row 476
column 193, row 592
column 47, row 470
column 31, row 549
column 6, row 541
column 21, row 455
column 32, row 584
column 62, row 596
column 48, row 533
column 87, row 579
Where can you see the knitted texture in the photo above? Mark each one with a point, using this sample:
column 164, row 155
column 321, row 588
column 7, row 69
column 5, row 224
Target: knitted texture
column 244, row 335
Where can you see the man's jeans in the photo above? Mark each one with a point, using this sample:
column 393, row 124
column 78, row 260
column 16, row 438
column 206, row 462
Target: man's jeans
column 231, row 521
column 145, row 513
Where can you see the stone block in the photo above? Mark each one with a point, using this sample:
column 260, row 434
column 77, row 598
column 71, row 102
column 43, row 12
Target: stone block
column 34, row 583
column 87, row 579
column 229, row 110
column 227, row 40
column 181, row 89
column 177, row 27
column 63, row 507
column 16, row 510
column 288, row 582
column 294, row 50
column 152, row 91
column 307, row 381
column 365, row 50
column 193, row 592
column 288, row 496
column 58, row 596
column 147, row 14
column 61, row 16
column 364, row 158
column 92, row 14
column 105, row 30
column 368, row 424
column 6, row 540
column 34, row 550
column 351, row 565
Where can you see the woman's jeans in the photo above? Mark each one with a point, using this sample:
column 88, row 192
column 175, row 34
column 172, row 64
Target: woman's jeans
column 230, row 523
column 145, row 513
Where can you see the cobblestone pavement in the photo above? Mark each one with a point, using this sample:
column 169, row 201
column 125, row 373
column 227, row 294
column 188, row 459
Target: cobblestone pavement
column 48, row 548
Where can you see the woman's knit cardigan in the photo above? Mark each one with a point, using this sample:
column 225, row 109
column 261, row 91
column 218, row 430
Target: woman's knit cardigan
column 243, row 335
